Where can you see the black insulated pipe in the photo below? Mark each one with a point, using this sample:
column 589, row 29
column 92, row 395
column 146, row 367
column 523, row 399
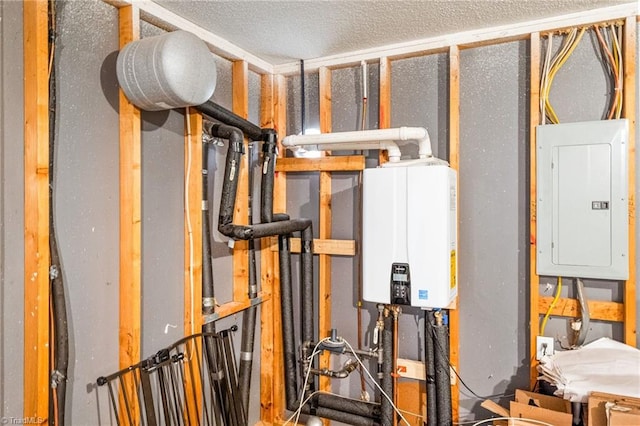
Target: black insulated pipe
column 230, row 189
column 223, row 115
column 386, row 415
column 430, row 369
column 249, row 315
column 208, row 301
column 340, row 416
column 352, row 406
column 443, row 379
column 306, row 295
column 269, row 155
column 287, row 323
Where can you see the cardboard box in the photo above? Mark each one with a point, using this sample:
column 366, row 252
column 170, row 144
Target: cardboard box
column 534, row 406
column 622, row 410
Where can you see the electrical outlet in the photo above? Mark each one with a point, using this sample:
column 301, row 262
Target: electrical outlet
column 544, row 346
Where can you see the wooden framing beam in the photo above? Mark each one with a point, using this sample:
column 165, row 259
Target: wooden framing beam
column 324, row 231
column 279, row 206
column 343, row 163
column 267, row 267
column 598, row 310
column 36, row 210
column 454, row 161
column 534, row 280
column 329, row 247
column 193, row 223
column 193, row 246
column 384, row 102
column 232, row 308
column 629, row 112
column 240, row 94
column 130, row 215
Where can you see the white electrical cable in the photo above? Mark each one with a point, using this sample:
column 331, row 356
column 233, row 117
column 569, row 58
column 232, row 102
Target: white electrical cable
column 510, row 420
column 353, row 352
column 366, row 370
column 188, row 215
column 306, row 378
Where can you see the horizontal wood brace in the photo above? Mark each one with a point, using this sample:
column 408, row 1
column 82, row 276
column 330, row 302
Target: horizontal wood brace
column 233, row 307
column 322, row 246
column 344, row 163
column 598, row 310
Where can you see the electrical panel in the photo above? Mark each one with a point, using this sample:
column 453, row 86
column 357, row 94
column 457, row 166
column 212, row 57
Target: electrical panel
column 582, row 205
column 409, row 235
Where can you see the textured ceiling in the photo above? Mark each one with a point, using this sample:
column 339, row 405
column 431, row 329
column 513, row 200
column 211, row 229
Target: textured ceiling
column 285, row 31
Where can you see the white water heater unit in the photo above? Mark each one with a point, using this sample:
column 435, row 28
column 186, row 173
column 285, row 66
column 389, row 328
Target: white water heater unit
column 409, row 235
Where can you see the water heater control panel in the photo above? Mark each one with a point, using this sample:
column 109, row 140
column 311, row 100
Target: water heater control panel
column 400, row 284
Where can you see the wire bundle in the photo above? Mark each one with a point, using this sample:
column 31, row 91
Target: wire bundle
column 552, row 66
column 613, row 57
column 610, row 41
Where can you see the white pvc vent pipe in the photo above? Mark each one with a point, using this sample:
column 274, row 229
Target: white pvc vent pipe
column 365, row 139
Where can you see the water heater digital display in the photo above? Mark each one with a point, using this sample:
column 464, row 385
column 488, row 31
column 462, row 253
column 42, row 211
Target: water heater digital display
column 409, row 235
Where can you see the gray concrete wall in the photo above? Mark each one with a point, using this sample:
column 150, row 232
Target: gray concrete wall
column 11, row 210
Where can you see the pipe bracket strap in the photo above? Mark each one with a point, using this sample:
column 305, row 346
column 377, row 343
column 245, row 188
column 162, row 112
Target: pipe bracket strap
column 232, row 172
column 208, row 302
column 265, row 165
column 205, row 206
column 217, row 375
column 246, row 356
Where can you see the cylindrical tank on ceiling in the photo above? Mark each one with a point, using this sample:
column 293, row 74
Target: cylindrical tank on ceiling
column 172, row 70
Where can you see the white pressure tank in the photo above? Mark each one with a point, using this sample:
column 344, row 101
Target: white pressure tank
column 409, row 235
column 172, row 70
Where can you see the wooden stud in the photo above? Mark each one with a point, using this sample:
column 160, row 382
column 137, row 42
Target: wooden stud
column 534, row 280
column 240, row 83
column 384, row 103
column 36, row 211
column 454, row 161
column 193, row 214
column 267, row 267
column 343, row 163
column 233, row 307
column 324, row 230
column 330, row 247
column 279, row 206
column 629, row 112
column 193, row 247
column 598, row 310
column 130, row 216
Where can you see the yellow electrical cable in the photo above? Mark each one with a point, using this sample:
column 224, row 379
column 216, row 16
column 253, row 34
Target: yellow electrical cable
column 551, row 306
column 549, row 65
column 556, row 67
column 619, row 66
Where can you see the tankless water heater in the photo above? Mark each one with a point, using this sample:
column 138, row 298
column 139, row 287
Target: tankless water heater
column 409, row 235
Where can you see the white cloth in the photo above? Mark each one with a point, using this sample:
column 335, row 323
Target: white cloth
column 604, row 365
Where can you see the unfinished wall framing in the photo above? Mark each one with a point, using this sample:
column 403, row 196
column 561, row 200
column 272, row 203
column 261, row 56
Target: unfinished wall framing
column 272, row 113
